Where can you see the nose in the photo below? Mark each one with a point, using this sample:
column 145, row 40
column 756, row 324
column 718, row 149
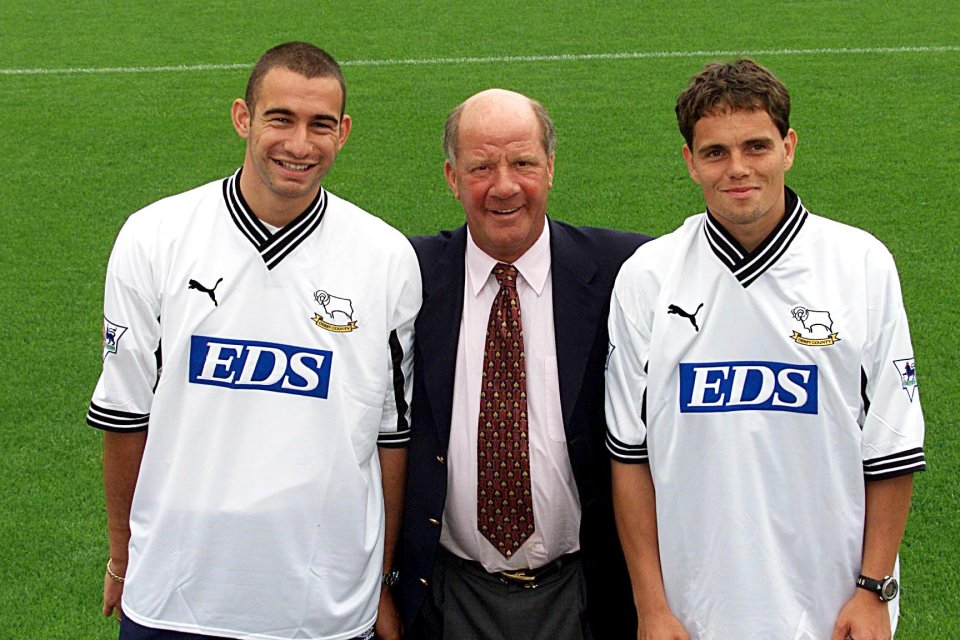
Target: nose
column 504, row 183
column 298, row 142
column 738, row 166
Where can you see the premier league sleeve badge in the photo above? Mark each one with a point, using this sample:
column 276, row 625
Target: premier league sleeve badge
column 908, row 376
column 112, row 332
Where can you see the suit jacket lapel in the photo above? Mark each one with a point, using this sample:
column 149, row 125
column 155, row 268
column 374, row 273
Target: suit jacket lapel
column 577, row 308
column 443, row 306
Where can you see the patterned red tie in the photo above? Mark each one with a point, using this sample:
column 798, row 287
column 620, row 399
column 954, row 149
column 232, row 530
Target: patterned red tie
column 504, row 501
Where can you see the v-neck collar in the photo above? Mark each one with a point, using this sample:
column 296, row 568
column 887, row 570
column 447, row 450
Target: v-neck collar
column 272, row 246
column 748, row 266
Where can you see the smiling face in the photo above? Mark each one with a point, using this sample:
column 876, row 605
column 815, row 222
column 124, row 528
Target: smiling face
column 502, row 174
column 293, row 136
column 739, row 160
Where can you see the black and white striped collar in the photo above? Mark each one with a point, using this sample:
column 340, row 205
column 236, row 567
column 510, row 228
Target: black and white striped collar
column 273, row 246
column 748, row 266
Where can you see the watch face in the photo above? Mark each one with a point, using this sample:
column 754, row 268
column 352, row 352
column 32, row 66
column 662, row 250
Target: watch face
column 888, row 591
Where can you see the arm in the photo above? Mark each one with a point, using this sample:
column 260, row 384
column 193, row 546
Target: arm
column 865, row 616
column 634, row 504
column 123, row 397
column 892, row 427
column 393, row 469
column 122, row 453
column 634, row 497
column 395, row 429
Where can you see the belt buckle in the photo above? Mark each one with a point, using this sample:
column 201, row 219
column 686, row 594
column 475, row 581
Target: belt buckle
column 520, row 577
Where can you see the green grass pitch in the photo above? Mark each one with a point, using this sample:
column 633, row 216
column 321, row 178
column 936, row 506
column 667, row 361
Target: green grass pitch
column 99, row 120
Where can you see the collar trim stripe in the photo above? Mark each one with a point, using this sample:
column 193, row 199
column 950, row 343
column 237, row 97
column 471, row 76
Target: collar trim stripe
column 296, row 232
column 726, row 248
column 771, row 243
column 777, row 248
column 249, row 225
column 774, row 244
column 272, row 247
column 747, row 267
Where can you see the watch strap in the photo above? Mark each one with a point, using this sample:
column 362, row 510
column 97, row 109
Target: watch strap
column 390, row 578
column 878, row 586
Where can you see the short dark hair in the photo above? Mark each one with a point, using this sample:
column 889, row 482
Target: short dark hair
column 733, row 86
column 301, row 57
column 548, row 132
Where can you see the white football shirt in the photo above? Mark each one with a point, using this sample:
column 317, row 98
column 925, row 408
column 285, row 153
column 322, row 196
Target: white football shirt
column 763, row 389
column 286, row 360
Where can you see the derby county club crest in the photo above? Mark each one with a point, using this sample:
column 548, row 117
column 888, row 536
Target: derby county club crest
column 337, row 313
column 908, row 375
column 817, row 328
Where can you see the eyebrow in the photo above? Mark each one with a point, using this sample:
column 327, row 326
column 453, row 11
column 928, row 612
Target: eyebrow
column 282, row 111
column 711, row 147
column 746, row 143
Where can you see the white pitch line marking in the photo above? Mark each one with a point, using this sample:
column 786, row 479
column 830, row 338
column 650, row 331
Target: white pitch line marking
column 634, row 55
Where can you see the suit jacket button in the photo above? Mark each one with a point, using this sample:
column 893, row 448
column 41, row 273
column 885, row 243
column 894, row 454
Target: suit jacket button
column 441, row 459
column 424, row 582
column 433, row 521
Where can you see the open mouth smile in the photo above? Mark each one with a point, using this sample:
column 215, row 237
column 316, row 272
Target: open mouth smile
column 290, row 166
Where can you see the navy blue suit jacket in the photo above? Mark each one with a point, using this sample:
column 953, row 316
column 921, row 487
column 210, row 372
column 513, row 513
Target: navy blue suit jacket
column 584, row 264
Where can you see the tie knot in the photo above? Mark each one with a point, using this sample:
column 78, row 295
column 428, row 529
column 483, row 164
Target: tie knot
column 506, row 274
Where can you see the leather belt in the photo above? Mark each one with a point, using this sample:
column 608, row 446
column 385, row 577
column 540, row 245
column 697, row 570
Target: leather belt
column 528, row 578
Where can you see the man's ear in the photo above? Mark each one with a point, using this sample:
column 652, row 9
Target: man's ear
column 688, row 158
column 450, row 173
column 240, row 115
column 345, row 124
column 790, row 148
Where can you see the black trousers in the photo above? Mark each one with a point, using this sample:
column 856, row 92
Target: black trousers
column 465, row 602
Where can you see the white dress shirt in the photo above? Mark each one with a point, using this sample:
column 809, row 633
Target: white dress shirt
column 556, row 504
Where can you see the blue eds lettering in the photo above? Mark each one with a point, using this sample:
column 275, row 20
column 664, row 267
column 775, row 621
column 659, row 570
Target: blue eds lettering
column 246, row 364
column 748, row 386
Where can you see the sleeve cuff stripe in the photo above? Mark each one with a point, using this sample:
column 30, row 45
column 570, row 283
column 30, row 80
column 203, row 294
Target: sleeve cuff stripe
column 101, row 421
column 895, row 469
column 894, row 457
column 396, row 436
column 104, row 427
column 635, row 459
column 140, row 422
column 394, row 444
column 113, row 414
column 625, row 452
column 893, row 472
column 888, row 462
column 614, row 442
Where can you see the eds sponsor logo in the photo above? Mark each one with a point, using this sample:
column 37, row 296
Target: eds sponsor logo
column 247, row 364
column 748, row 386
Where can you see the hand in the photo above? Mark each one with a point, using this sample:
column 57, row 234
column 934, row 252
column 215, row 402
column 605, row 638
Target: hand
column 388, row 625
column 112, row 592
column 864, row 617
column 660, row 625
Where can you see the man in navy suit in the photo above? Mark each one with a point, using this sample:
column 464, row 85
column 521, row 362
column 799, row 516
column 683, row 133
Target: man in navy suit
column 559, row 572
